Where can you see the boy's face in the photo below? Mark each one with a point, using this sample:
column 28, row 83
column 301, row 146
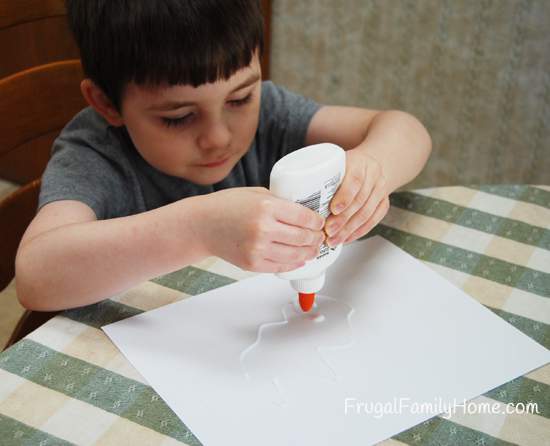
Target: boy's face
column 182, row 130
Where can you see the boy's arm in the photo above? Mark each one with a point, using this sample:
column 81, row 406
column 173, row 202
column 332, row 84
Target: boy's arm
column 68, row 259
column 384, row 150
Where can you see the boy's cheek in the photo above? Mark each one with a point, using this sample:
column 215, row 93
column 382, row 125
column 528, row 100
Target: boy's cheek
column 245, row 129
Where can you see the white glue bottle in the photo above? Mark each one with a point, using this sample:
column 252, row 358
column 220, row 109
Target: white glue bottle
column 310, row 176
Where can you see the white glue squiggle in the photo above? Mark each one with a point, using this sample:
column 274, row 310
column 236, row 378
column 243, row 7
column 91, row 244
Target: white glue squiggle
column 257, row 341
column 333, row 307
column 337, row 347
column 279, row 390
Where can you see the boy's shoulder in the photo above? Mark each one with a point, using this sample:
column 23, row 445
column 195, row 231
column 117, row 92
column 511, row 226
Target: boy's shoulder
column 86, row 118
column 91, row 162
column 278, row 98
column 89, row 138
column 88, row 127
column 284, row 119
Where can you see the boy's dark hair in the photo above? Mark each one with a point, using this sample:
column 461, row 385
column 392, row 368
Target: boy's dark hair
column 151, row 42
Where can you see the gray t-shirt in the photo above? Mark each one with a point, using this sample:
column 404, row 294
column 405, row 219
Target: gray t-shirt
column 97, row 164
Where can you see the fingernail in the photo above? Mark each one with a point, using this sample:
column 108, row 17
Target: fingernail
column 339, row 208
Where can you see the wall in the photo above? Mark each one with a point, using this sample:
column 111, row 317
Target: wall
column 476, row 73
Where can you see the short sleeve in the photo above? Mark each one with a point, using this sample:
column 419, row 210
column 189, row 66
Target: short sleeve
column 284, row 121
column 79, row 171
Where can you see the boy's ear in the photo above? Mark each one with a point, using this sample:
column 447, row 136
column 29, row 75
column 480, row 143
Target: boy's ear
column 97, row 99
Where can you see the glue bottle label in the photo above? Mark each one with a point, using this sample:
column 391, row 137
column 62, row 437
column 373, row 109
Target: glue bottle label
column 319, row 201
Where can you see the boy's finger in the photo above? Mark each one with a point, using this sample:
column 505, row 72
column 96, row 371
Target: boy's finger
column 362, row 214
column 281, row 253
column 377, row 216
column 299, row 215
column 336, row 222
column 296, row 236
column 350, row 187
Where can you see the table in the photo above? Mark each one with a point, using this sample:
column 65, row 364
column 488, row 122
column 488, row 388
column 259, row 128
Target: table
column 67, row 383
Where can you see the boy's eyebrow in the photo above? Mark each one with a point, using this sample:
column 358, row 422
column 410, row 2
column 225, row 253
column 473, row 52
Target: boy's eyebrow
column 249, row 81
column 172, row 105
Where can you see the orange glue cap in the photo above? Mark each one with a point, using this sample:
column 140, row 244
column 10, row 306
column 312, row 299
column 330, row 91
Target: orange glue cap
column 306, row 300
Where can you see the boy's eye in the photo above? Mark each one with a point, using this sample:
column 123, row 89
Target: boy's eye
column 175, row 122
column 245, row 100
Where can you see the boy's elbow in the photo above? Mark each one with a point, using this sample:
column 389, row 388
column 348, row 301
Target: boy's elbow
column 429, row 143
column 21, row 281
column 429, row 139
column 418, row 134
column 424, row 139
column 25, row 296
column 27, row 291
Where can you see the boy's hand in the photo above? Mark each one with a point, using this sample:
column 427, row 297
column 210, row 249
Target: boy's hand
column 364, row 197
column 257, row 231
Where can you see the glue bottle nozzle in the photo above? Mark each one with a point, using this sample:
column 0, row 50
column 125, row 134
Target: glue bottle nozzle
column 306, row 300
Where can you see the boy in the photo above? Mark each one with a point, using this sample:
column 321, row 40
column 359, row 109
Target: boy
column 171, row 161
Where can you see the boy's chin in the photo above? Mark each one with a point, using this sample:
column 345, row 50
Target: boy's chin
column 208, row 178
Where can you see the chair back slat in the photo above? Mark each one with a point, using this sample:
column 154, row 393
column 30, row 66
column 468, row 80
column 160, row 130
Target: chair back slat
column 18, row 167
column 16, row 212
column 37, row 104
column 32, row 33
column 22, row 11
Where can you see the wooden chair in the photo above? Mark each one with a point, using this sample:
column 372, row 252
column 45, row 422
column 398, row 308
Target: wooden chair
column 32, row 33
column 36, row 104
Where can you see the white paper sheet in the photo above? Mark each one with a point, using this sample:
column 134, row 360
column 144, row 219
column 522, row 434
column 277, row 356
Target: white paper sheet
column 394, row 332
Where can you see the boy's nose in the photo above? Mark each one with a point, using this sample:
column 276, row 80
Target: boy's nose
column 215, row 136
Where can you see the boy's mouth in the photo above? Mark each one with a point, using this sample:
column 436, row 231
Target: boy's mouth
column 216, row 163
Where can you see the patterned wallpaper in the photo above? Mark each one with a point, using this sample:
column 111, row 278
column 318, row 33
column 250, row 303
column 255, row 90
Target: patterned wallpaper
column 475, row 72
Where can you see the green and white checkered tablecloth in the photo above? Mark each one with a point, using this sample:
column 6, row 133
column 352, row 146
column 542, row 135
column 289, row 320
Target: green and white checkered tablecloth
column 67, row 383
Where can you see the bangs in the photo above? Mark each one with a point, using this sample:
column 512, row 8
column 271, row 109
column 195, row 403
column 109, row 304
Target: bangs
column 174, row 42
column 209, row 45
